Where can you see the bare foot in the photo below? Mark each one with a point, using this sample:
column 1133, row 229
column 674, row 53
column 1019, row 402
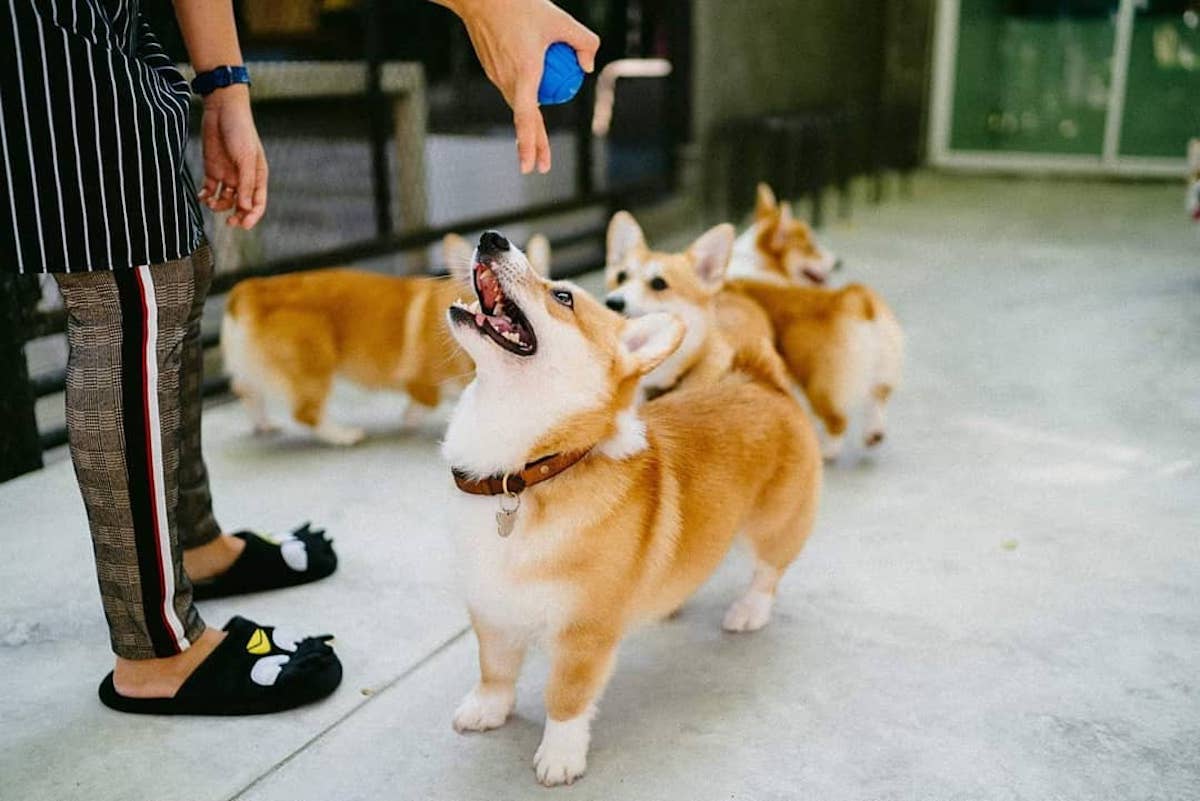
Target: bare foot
column 162, row 678
column 213, row 558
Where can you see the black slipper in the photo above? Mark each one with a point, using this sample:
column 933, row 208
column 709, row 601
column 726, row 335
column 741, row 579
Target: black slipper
column 255, row 670
column 304, row 555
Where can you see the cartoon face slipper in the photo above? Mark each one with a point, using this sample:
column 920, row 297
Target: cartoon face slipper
column 303, row 556
column 255, row 670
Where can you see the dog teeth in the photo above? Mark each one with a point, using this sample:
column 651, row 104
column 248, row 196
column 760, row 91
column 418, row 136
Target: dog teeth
column 511, row 337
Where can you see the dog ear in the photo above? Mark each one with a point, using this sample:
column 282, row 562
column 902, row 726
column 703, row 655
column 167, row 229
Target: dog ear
column 786, row 220
column 764, row 204
column 711, row 254
column 649, row 339
column 624, row 236
column 537, row 250
column 458, row 254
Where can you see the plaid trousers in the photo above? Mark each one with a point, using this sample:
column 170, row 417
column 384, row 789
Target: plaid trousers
column 133, row 418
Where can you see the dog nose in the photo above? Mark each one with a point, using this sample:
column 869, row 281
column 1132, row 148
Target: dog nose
column 615, row 302
column 492, row 242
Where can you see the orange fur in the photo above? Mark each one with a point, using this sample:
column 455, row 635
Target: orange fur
column 619, row 539
column 291, row 335
column 842, row 347
column 288, row 337
column 786, row 245
column 815, row 332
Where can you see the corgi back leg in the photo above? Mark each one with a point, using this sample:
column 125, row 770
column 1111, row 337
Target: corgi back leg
column 256, row 407
column 300, row 356
column 422, row 398
column 827, row 405
column 245, row 368
column 890, row 359
column 310, row 398
column 873, row 434
column 776, row 540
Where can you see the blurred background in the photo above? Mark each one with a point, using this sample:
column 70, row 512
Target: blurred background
column 383, row 134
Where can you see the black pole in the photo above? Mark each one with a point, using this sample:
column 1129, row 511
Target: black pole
column 377, row 114
column 583, row 103
column 20, row 449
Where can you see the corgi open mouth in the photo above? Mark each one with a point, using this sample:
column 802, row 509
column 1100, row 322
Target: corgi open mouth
column 496, row 315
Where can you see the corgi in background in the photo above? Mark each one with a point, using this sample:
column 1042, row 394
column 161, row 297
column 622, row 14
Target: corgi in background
column 284, row 339
column 780, row 245
column 688, row 284
column 844, row 348
column 582, row 513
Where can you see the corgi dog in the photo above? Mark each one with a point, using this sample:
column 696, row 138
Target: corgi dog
column 284, row 339
column 688, row 284
column 844, row 348
column 582, row 513
column 780, row 245
column 1193, row 196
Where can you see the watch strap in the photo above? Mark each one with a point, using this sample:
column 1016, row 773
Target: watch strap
column 205, row 83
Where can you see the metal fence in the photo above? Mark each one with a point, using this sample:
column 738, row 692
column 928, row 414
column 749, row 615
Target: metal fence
column 383, row 136
column 371, row 165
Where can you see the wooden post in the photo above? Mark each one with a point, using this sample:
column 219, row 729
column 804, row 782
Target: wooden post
column 409, row 115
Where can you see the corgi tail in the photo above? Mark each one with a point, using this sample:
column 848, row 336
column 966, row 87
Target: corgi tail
column 761, row 364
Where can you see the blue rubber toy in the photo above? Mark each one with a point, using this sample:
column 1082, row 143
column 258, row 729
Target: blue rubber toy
column 561, row 76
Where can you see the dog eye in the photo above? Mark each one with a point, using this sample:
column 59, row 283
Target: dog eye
column 565, row 298
column 622, row 277
column 658, row 283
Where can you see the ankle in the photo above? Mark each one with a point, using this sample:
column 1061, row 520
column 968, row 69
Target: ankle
column 162, row 678
column 212, row 558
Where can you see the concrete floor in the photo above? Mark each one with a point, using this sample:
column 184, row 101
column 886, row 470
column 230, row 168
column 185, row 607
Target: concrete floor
column 1005, row 604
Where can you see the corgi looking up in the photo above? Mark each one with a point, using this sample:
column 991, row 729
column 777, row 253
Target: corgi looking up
column 581, row 513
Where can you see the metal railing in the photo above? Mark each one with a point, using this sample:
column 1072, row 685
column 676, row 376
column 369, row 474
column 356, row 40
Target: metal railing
column 399, row 88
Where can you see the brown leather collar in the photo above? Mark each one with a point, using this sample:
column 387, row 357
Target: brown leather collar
column 515, row 483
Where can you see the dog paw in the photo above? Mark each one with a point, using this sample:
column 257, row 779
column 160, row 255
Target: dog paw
column 483, row 710
column 832, row 449
column 562, row 756
column 873, row 439
column 341, row 436
column 749, row 613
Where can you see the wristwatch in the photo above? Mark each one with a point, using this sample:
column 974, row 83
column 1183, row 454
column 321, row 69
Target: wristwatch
column 205, row 83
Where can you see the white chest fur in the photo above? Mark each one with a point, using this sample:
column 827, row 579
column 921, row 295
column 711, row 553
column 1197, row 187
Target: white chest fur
column 496, row 571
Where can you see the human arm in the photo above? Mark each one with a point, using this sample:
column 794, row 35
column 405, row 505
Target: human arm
column 233, row 154
column 511, row 38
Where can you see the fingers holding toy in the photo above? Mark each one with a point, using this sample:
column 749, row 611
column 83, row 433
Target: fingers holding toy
column 516, row 59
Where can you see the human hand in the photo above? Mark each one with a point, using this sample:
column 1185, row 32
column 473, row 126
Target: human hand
column 511, row 38
column 235, row 166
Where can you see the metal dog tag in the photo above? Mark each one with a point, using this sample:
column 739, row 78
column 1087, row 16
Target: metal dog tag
column 506, row 519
